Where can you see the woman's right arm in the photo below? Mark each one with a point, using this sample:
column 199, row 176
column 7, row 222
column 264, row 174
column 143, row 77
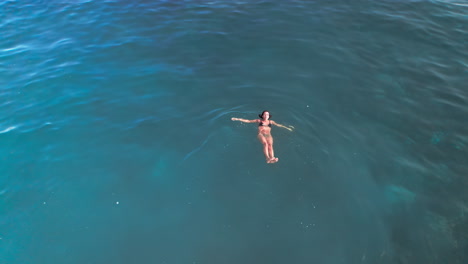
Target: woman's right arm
column 244, row 120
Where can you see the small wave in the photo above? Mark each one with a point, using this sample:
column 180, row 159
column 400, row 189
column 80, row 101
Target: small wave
column 39, row 126
column 60, row 43
column 454, row 3
column 8, row 129
column 15, row 48
column 198, row 148
column 222, row 114
column 214, row 114
column 18, row 49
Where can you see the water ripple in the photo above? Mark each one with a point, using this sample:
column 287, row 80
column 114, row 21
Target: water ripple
column 95, row 92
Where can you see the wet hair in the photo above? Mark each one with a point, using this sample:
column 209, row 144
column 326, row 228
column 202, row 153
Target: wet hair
column 261, row 115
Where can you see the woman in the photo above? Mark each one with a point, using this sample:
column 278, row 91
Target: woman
column 264, row 135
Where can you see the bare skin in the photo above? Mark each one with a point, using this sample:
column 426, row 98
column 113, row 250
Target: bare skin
column 264, row 134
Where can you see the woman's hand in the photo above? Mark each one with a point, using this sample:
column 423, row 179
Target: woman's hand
column 290, row 128
column 234, row 118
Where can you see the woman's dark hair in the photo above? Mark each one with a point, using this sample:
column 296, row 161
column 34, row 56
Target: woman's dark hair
column 261, row 115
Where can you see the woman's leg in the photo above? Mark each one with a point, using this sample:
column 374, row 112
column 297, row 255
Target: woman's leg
column 264, row 142
column 271, row 152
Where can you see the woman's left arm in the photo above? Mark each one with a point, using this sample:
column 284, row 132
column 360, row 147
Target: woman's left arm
column 290, row 128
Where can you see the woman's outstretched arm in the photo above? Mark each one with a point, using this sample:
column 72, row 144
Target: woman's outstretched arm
column 290, row 128
column 244, row 120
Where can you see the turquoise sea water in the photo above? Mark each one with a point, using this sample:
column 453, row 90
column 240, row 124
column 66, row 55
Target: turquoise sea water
column 117, row 144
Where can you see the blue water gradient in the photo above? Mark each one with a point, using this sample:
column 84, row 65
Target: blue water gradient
column 117, row 144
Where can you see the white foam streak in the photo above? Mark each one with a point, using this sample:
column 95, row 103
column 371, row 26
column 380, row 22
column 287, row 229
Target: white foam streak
column 7, row 129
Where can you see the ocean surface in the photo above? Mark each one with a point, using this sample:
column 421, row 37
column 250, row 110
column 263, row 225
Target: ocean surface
column 117, row 145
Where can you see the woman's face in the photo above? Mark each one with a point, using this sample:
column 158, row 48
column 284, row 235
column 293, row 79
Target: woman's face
column 266, row 115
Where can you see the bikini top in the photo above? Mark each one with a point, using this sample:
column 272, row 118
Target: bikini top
column 261, row 124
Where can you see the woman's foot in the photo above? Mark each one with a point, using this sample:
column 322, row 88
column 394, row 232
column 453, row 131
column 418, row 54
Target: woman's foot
column 272, row 160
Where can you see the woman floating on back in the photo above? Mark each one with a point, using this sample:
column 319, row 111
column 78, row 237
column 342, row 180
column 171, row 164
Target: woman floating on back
column 264, row 135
